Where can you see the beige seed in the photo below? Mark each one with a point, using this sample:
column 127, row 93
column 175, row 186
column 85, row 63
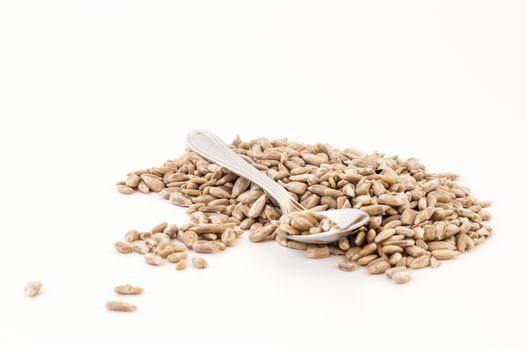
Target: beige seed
column 439, row 245
column 390, row 272
column 177, row 257
column 392, row 224
column 296, row 187
column 405, row 231
column 317, row 252
column 420, row 262
column 408, row 216
column 271, row 213
column 161, row 238
column 151, row 243
column 153, row 183
column 332, row 193
column 390, row 200
column 140, row 247
column 228, row 237
column 434, row 262
column 145, row 235
column 171, row 230
column 181, row 265
column 462, row 242
column 133, row 180
column 219, row 192
column 347, row 266
column 336, row 250
column 240, row 186
column 153, row 259
column 289, row 229
column 402, row 261
column 202, row 246
column 312, row 159
column 128, row 289
column 125, row 189
column 384, row 235
column 444, row 254
column 401, row 277
column 392, row 249
column 416, row 251
column 344, row 243
column 301, row 224
column 220, row 245
column 208, row 228
column 123, row 247
column 296, row 245
column 281, row 239
column 199, row 262
column 180, row 199
column 159, row 227
column 373, row 210
column 120, row 306
column 312, row 217
column 257, row 207
column 131, row 236
column 262, row 233
column 249, row 197
column 188, row 238
column 424, row 215
column 143, row 187
column 378, row 267
column 451, row 230
column 370, row 248
column 166, row 251
column 313, row 230
column 32, row 288
column 395, row 258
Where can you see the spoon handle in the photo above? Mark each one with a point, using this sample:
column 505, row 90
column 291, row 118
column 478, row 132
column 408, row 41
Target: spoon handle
column 211, row 147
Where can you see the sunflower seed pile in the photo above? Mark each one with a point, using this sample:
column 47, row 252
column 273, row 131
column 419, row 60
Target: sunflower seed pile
column 417, row 218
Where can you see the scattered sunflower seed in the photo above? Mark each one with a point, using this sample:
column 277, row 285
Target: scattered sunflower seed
column 128, row 289
column 153, row 259
column 181, row 265
column 123, row 247
column 347, row 265
column 199, row 262
column 120, row 306
column 33, row 288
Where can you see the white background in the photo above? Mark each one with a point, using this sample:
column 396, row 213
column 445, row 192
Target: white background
column 90, row 90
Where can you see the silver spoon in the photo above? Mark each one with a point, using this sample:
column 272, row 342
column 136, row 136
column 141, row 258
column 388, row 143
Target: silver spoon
column 212, row 148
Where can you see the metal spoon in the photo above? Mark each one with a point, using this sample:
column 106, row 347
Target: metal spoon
column 212, row 148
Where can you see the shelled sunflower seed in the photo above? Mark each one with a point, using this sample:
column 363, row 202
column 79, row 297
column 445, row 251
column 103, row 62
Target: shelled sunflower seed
column 128, row 289
column 199, row 263
column 416, row 217
column 120, row 306
column 32, row 288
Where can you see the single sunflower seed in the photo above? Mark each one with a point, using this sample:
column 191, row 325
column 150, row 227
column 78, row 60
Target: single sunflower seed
column 33, row 288
column 120, row 306
column 199, row 262
column 128, row 289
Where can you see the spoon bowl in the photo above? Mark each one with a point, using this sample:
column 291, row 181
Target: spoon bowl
column 348, row 219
